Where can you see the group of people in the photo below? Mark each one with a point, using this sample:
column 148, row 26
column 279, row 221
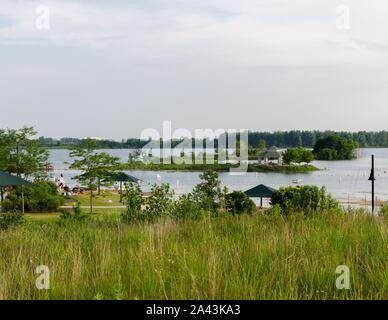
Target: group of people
column 64, row 189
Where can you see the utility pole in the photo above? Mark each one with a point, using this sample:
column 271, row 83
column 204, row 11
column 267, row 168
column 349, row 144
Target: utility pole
column 373, row 179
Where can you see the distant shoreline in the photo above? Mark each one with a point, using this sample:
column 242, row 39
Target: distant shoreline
column 218, row 167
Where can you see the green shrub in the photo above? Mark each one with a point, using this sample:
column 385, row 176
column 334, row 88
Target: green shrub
column 8, row 220
column 187, row 206
column 335, row 147
column 11, row 204
column 209, row 192
column 134, row 200
column 275, row 210
column 74, row 214
column 159, row 203
column 305, row 199
column 298, row 155
column 327, row 154
column 384, row 211
column 40, row 197
column 238, row 202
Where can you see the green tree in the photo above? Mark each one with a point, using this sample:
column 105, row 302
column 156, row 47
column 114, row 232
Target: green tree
column 159, row 203
column 238, row 202
column 133, row 199
column 306, row 156
column 134, row 155
column 20, row 154
column 335, row 147
column 290, row 156
column 41, row 196
column 298, row 155
column 262, row 144
column 327, row 154
column 108, row 165
column 96, row 167
column 210, row 192
column 187, row 206
column 306, row 199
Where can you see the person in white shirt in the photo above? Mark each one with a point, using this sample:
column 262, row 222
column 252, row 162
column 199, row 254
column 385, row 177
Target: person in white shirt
column 61, row 181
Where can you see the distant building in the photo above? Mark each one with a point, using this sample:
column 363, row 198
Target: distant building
column 272, row 155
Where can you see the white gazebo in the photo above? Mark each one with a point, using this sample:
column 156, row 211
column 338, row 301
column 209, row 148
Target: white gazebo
column 272, row 155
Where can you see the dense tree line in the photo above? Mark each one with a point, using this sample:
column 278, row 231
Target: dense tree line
column 281, row 139
column 100, row 144
column 335, row 147
column 285, row 139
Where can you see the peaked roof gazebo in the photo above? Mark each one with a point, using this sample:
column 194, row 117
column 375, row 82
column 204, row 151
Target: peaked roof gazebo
column 122, row 177
column 272, row 153
column 261, row 191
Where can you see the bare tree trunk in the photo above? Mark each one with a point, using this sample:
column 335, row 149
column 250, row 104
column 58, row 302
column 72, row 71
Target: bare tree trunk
column 121, row 191
column 1, row 195
column 91, row 201
column 22, row 200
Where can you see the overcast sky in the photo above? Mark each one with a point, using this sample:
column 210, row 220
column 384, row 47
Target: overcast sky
column 113, row 68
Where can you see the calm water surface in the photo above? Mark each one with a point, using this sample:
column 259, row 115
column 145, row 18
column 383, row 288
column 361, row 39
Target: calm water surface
column 344, row 179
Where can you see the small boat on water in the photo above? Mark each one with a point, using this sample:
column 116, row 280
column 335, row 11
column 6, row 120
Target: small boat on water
column 297, row 181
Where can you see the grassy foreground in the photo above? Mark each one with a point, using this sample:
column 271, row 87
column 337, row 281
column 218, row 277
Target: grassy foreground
column 245, row 257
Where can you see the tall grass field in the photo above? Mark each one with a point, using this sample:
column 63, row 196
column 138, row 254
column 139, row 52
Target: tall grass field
column 232, row 257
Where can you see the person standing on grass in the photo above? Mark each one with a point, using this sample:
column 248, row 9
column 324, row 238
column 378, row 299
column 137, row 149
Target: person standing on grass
column 61, row 181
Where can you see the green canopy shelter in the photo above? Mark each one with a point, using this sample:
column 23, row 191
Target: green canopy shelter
column 9, row 180
column 261, row 191
column 123, row 177
column 117, row 177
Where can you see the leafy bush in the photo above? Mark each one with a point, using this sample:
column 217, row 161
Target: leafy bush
column 298, row 155
column 305, row 199
column 206, row 198
column 159, row 203
column 327, row 154
column 40, row 197
column 238, row 202
column 384, row 211
column 335, row 147
column 134, row 200
column 74, row 214
column 11, row 204
column 275, row 210
column 188, row 206
column 210, row 192
column 8, row 220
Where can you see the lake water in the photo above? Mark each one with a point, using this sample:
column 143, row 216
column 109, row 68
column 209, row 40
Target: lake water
column 346, row 180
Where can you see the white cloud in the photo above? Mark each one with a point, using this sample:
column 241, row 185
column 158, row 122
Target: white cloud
column 248, row 32
column 264, row 65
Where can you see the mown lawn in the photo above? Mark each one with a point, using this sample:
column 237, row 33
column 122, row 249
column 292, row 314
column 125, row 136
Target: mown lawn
column 241, row 257
column 106, row 198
